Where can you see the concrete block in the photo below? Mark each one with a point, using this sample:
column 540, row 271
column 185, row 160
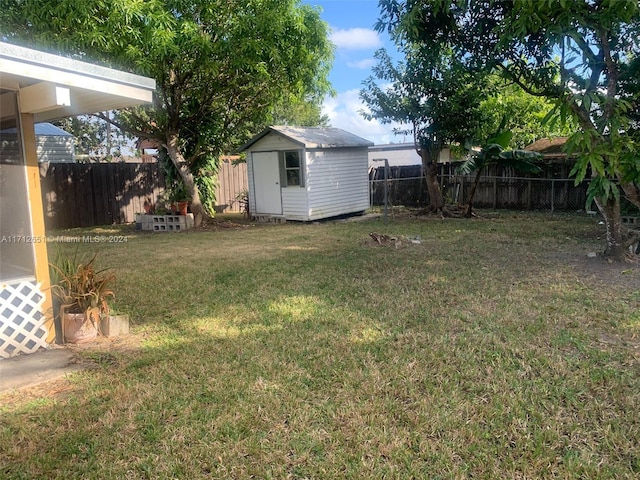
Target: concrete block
column 114, row 325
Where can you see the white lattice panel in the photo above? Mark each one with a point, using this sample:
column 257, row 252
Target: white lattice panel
column 22, row 327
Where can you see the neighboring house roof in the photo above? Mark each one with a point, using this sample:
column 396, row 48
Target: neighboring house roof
column 313, row 137
column 549, row 147
column 44, row 130
column 393, row 146
column 50, row 130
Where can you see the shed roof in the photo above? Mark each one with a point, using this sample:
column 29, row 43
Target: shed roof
column 313, row 137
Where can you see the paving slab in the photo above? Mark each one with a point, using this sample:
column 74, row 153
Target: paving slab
column 42, row 366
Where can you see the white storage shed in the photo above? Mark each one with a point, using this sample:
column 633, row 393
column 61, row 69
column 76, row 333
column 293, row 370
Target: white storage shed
column 307, row 173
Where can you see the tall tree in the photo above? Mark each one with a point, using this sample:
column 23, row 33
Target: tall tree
column 220, row 65
column 437, row 97
column 576, row 53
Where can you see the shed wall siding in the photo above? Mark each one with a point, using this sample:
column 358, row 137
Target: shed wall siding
column 272, row 142
column 48, row 148
column 252, row 186
column 295, row 203
column 337, row 182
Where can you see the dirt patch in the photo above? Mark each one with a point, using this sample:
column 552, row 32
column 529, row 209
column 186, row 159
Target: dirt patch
column 624, row 275
column 52, row 390
column 381, row 239
column 123, row 344
column 217, row 225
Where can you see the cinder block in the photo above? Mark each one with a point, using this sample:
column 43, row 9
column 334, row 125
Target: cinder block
column 114, row 325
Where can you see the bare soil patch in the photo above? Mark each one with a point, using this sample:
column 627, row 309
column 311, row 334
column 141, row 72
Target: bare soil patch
column 598, row 270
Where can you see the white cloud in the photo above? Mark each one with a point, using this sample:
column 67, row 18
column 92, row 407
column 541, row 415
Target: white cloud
column 344, row 112
column 356, row 39
column 362, row 64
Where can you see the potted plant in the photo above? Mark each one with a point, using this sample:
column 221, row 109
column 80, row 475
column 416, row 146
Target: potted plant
column 179, row 198
column 149, row 207
column 82, row 293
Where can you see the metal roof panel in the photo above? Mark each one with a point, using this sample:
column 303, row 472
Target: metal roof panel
column 313, row 137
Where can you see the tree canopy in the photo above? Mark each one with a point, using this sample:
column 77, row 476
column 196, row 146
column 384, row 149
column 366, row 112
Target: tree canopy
column 580, row 54
column 444, row 100
column 522, row 114
column 437, row 97
column 223, row 68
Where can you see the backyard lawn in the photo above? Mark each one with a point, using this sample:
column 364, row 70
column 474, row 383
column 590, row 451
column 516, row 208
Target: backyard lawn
column 494, row 348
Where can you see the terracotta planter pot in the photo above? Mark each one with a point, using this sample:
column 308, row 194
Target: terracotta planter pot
column 78, row 328
column 182, row 207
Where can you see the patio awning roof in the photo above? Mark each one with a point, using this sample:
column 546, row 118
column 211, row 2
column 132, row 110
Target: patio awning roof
column 52, row 86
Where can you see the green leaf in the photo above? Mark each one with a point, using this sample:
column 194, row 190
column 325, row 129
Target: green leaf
column 521, row 160
column 502, row 139
column 471, row 164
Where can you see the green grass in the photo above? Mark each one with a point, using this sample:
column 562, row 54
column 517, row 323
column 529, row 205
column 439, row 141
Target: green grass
column 494, row 349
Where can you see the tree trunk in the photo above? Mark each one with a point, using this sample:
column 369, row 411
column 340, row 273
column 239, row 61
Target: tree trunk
column 468, row 208
column 632, row 192
column 436, row 203
column 187, row 178
column 610, row 210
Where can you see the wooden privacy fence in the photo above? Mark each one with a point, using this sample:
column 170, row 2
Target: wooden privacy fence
column 519, row 193
column 232, row 182
column 88, row 195
column 406, row 186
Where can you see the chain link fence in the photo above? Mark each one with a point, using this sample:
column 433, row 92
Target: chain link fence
column 406, row 187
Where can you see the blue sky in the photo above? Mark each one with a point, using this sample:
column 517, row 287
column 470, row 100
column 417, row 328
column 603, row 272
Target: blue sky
column 356, row 41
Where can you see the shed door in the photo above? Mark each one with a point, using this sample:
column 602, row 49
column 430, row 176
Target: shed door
column 266, row 181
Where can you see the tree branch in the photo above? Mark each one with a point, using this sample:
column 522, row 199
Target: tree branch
column 128, row 129
column 613, row 74
column 518, row 81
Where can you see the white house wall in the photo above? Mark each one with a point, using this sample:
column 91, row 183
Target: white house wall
column 400, row 155
column 396, row 155
column 337, row 182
